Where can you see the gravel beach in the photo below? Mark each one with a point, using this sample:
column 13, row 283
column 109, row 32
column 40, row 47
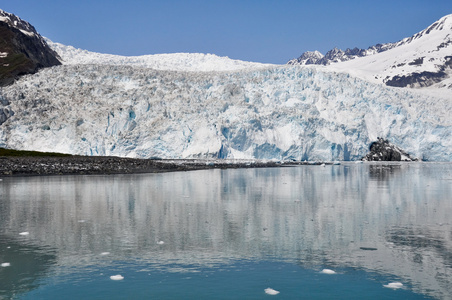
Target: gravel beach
column 35, row 166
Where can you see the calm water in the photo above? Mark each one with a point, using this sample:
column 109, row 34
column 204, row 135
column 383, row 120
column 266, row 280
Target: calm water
column 230, row 234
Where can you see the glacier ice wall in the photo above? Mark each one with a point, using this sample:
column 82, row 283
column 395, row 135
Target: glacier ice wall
column 287, row 112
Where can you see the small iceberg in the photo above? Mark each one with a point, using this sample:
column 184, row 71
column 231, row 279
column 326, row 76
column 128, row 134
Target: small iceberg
column 4, row 265
column 105, row 253
column 394, row 285
column 161, row 243
column 24, row 233
column 271, row 291
column 116, row 277
column 328, row 271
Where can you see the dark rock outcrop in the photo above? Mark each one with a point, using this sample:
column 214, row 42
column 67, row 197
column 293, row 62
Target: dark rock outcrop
column 383, row 150
column 22, row 49
column 421, row 79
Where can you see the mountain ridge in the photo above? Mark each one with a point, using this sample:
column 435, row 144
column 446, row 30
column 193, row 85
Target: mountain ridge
column 22, row 49
column 426, row 59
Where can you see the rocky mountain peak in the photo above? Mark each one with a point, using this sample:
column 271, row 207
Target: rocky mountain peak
column 22, row 49
column 307, row 58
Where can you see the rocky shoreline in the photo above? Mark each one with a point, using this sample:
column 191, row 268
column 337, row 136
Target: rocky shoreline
column 92, row 165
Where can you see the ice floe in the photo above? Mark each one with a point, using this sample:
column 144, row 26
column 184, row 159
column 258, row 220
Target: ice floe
column 328, row 271
column 271, row 291
column 394, row 285
column 117, row 277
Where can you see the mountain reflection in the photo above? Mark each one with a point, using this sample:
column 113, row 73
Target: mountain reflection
column 311, row 215
column 383, row 171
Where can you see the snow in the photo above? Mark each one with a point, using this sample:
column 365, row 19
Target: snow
column 29, row 33
column 196, row 62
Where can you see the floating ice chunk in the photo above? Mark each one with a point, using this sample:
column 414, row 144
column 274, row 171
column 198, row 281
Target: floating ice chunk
column 24, row 233
column 160, row 242
column 7, row 264
column 105, row 253
column 328, row 271
column 394, row 285
column 322, row 165
column 116, row 277
column 358, row 162
column 81, row 221
column 271, row 291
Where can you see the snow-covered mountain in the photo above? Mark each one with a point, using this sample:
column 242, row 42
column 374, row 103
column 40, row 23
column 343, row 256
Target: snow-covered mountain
column 307, row 58
column 172, row 61
column 205, row 106
column 422, row 60
column 336, row 55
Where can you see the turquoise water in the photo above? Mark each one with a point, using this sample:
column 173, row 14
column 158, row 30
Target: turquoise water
column 230, row 234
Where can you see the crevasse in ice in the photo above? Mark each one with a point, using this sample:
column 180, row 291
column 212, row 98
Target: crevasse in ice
column 276, row 112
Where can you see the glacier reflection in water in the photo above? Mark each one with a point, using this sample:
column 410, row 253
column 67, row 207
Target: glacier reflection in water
column 378, row 221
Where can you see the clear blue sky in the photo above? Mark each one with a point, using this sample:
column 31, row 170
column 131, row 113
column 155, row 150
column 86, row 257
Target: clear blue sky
column 271, row 31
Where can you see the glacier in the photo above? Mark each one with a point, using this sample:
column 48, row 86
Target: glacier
column 167, row 61
column 263, row 112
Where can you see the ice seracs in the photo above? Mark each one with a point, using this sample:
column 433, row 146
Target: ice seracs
column 283, row 113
